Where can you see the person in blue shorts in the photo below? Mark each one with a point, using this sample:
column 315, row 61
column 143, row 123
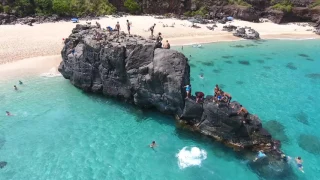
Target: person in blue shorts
column 260, row 155
column 188, row 90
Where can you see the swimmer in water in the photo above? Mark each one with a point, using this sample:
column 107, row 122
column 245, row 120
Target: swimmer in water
column 299, row 163
column 8, row 113
column 201, row 76
column 260, row 155
column 20, row 82
column 15, row 87
column 153, row 144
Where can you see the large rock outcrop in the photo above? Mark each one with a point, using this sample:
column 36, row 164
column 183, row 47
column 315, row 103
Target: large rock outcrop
column 126, row 67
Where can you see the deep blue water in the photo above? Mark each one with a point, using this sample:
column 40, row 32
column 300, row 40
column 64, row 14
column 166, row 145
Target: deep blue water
column 59, row 132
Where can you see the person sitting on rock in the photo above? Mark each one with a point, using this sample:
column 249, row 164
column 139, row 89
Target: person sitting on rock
column 166, row 45
column 158, row 41
column 244, row 111
column 152, row 29
column 228, row 97
column 188, row 90
column 118, row 28
column 216, row 89
column 199, row 97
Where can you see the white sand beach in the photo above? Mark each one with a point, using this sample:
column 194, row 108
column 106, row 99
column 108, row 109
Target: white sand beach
column 18, row 42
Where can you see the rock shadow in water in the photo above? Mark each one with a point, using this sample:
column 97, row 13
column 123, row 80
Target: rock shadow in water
column 228, row 62
column 207, row 63
column 267, row 67
column 277, row 130
column 264, row 75
column 239, row 82
column 243, row 62
column 260, row 61
column 313, row 76
column 309, row 143
column 291, row 66
column 227, row 57
column 269, row 58
column 302, row 117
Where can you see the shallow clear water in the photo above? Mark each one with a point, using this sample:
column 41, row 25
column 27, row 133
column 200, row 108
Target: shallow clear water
column 58, row 132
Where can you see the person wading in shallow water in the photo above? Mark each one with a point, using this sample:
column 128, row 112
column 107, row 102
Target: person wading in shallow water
column 152, row 29
column 299, row 163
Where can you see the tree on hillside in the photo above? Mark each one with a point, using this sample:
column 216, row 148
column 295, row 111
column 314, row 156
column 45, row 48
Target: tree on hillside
column 43, row 6
column 61, row 7
column 132, row 6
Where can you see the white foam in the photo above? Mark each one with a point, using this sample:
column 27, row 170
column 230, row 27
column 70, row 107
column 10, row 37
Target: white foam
column 52, row 73
column 191, row 157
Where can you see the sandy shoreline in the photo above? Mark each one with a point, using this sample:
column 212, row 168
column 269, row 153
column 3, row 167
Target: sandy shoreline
column 21, row 44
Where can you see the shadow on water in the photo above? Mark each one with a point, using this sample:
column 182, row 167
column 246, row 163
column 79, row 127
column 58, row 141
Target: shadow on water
column 222, row 86
column 264, row 169
column 309, row 59
column 243, row 62
column 302, row 117
column 2, row 140
column 191, row 79
column 309, row 143
column 291, row 66
column 277, row 130
column 250, row 45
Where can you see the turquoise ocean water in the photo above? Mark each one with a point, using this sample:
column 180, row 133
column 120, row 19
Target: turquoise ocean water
column 59, row 132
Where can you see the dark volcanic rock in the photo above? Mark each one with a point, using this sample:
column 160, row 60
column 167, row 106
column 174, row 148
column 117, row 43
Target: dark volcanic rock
column 125, row 67
column 247, row 33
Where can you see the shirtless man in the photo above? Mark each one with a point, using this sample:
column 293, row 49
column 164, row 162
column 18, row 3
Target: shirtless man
column 244, row 110
column 166, row 45
column 299, row 163
column 216, row 89
column 128, row 26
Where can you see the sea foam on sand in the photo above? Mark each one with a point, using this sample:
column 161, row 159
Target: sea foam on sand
column 191, row 157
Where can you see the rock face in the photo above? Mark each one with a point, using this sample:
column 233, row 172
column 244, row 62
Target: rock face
column 126, row 67
column 247, row 33
column 222, row 122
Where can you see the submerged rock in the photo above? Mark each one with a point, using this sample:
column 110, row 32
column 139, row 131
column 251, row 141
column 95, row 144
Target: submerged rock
column 3, row 164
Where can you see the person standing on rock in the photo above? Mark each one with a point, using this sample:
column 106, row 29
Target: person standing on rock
column 188, row 90
column 152, row 29
column 118, row 28
column 128, row 26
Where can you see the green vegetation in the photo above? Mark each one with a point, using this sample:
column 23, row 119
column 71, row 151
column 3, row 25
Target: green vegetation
column 284, row 6
column 315, row 3
column 61, row 7
column 201, row 12
column 240, row 3
column 132, row 6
